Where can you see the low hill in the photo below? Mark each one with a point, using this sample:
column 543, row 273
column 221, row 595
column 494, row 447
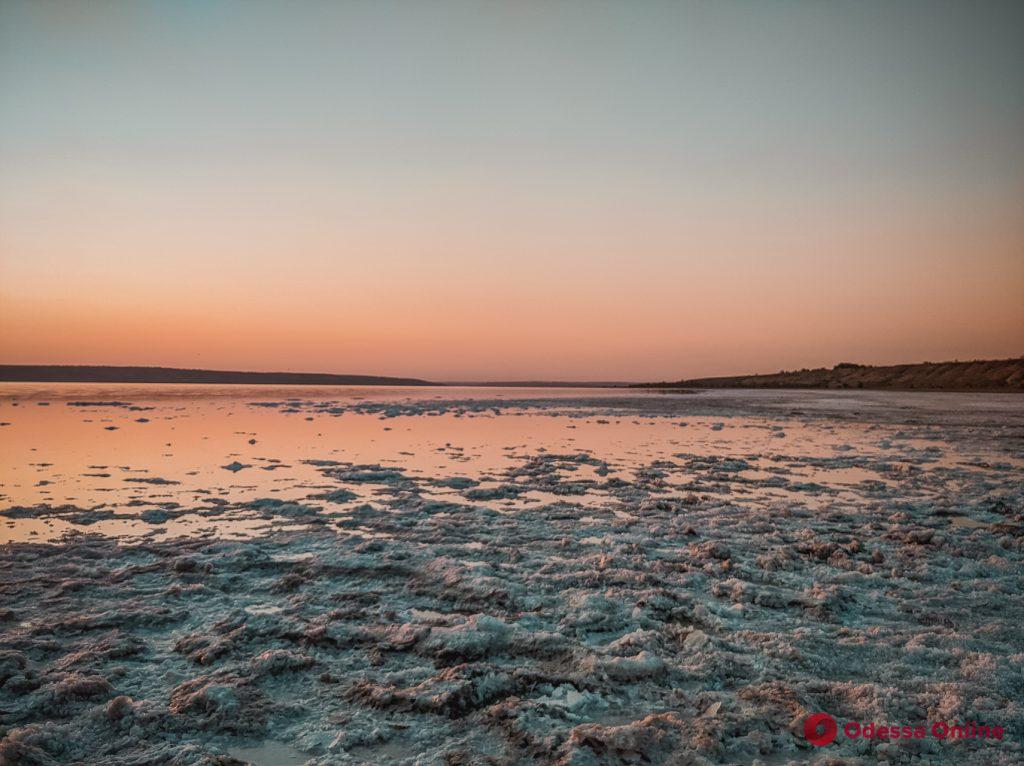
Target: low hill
column 994, row 375
column 25, row 373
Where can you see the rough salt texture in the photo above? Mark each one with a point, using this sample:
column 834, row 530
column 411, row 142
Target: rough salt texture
column 694, row 613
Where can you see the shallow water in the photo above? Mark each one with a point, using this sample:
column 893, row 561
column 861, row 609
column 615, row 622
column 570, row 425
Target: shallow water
column 269, row 754
column 354, row 575
column 122, row 449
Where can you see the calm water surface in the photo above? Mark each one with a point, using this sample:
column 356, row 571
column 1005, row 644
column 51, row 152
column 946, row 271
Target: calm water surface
column 106, row 446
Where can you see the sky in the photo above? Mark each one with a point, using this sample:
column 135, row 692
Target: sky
column 511, row 190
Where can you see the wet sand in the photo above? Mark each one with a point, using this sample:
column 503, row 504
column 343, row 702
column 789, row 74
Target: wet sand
column 195, row 574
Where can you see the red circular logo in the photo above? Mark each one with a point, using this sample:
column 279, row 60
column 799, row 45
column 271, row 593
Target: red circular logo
column 820, row 729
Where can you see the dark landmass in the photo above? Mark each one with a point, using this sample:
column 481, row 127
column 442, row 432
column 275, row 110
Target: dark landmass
column 25, row 373
column 992, row 375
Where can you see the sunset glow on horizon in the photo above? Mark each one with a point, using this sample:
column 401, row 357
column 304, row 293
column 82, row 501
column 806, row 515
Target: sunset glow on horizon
column 519, row 191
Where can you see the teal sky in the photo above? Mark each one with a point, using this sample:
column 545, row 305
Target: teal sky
column 466, row 189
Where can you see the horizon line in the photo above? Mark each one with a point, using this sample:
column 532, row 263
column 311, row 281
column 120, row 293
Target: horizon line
column 398, row 380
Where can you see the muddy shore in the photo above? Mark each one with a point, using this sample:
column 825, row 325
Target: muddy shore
column 689, row 603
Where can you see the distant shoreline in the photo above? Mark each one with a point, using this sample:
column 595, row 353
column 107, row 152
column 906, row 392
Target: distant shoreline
column 56, row 373
column 23, row 373
column 1001, row 375
column 996, row 376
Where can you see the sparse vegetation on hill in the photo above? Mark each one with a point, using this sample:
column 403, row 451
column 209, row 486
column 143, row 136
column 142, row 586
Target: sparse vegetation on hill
column 982, row 375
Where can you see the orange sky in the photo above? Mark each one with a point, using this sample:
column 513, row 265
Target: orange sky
column 473, row 197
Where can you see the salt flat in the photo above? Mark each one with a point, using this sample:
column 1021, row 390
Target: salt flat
column 195, row 574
